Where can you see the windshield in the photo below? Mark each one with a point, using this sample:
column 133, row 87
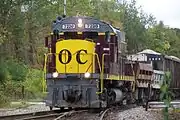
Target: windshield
column 84, row 35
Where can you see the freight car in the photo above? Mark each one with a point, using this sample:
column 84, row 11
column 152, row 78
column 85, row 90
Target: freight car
column 158, row 64
column 86, row 64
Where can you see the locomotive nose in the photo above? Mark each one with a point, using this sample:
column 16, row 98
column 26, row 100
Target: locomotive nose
column 75, row 56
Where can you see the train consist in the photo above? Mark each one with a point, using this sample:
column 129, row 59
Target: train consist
column 158, row 65
column 87, row 67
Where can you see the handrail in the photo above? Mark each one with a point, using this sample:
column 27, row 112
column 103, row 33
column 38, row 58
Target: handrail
column 99, row 64
column 102, row 76
column 45, row 67
column 44, row 75
column 133, row 83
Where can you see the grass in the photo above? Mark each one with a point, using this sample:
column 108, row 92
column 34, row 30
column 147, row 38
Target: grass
column 17, row 105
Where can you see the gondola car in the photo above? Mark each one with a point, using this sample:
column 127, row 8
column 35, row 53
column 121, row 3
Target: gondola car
column 86, row 65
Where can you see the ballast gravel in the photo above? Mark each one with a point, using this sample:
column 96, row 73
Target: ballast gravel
column 139, row 113
column 32, row 108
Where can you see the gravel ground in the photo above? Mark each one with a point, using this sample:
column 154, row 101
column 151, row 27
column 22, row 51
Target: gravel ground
column 139, row 113
column 32, row 108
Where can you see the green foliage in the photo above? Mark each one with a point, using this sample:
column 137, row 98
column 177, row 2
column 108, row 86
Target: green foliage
column 14, row 76
column 4, row 100
column 17, row 70
column 33, row 84
column 23, row 31
column 3, row 73
column 166, row 95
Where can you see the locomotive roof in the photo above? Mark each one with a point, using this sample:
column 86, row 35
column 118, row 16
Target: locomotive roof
column 70, row 24
column 149, row 54
column 148, row 51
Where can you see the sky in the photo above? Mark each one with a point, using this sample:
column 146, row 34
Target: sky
column 166, row 10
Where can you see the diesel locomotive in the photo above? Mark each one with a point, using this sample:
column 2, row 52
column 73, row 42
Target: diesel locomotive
column 86, row 65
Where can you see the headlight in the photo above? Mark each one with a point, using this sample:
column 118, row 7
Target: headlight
column 80, row 24
column 79, row 20
column 87, row 75
column 55, row 75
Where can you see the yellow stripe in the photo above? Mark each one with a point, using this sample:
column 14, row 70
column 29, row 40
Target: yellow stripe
column 121, row 77
column 61, row 33
column 101, row 33
column 79, row 33
column 112, row 33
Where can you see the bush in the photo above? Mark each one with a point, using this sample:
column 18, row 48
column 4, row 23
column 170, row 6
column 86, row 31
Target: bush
column 33, row 84
column 4, row 100
column 4, row 74
column 17, row 70
column 17, row 81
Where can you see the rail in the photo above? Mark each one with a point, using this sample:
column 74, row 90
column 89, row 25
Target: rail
column 159, row 105
column 105, row 112
column 32, row 115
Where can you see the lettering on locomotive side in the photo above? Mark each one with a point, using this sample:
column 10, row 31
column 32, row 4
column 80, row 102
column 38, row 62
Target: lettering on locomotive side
column 65, row 51
column 75, row 56
column 69, row 56
column 78, row 59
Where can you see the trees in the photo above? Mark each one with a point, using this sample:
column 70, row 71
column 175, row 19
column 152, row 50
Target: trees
column 24, row 23
column 22, row 30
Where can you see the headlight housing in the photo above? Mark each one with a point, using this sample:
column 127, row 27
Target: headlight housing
column 55, row 74
column 87, row 75
column 80, row 23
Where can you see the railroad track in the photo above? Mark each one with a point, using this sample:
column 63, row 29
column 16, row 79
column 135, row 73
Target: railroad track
column 66, row 114
column 104, row 114
column 42, row 115
column 159, row 105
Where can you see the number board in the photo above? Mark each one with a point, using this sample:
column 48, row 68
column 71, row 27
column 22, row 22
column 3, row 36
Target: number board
column 86, row 26
column 91, row 26
column 72, row 24
column 68, row 26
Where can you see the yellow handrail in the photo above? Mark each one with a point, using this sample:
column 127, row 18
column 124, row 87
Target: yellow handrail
column 98, row 61
column 44, row 73
column 44, row 69
column 102, row 76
